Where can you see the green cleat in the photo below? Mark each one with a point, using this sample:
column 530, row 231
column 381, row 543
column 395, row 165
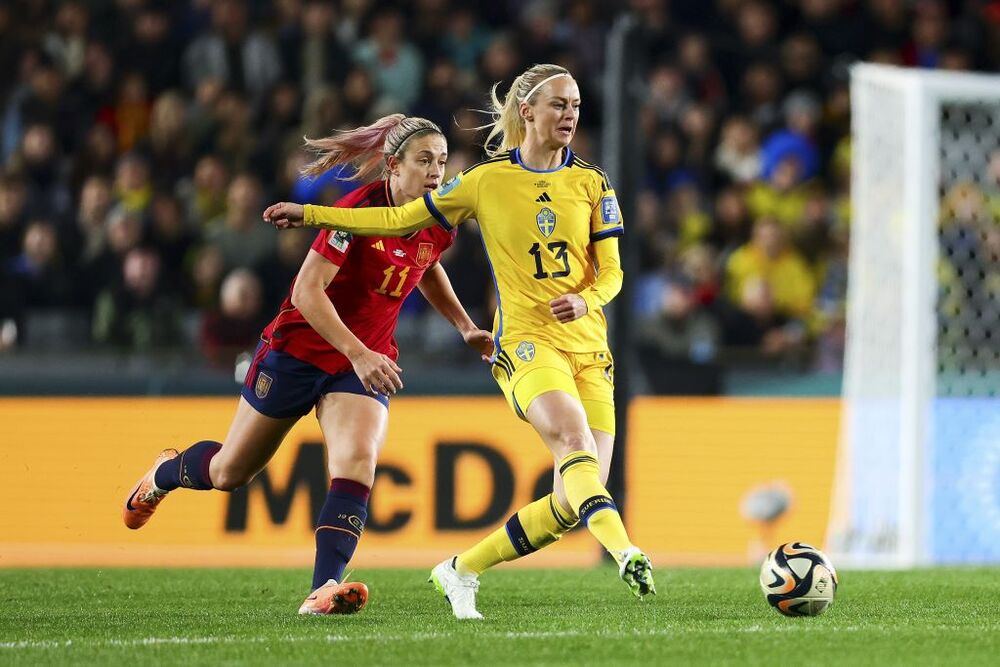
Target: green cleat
column 636, row 571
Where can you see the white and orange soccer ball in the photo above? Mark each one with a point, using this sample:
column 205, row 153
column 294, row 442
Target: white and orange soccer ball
column 798, row 580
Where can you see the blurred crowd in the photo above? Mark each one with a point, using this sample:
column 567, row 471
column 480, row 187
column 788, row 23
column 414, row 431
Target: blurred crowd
column 140, row 140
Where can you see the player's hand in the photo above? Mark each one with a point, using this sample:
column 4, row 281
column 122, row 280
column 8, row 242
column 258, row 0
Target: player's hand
column 284, row 215
column 379, row 374
column 481, row 341
column 568, row 307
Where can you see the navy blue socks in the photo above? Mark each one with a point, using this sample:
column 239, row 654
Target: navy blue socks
column 190, row 469
column 339, row 528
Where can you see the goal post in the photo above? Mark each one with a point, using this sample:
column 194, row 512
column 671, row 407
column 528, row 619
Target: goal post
column 922, row 362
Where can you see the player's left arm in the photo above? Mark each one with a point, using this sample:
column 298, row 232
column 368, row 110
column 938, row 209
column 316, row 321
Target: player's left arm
column 609, row 274
column 437, row 289
column 569, row 307
column 605, row 228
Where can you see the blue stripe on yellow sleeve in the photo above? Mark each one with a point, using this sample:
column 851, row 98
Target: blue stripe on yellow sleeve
column 606, row 233
column 443, row 221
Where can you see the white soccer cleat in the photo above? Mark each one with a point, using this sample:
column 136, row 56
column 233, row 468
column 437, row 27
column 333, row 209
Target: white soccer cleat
column 459, row 591
column 636, row 571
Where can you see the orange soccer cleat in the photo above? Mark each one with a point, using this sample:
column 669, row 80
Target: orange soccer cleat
column 333, row 598
column 144, row 498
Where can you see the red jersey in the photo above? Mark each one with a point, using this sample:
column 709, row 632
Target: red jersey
column 375, row 277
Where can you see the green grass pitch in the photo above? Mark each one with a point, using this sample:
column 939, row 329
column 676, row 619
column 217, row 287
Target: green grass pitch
column 568, row 617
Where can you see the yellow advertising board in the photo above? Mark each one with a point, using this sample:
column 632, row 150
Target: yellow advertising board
column 697, row 467
column 452, row 470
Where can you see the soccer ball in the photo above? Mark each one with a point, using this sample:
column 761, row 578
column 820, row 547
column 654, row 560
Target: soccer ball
column 798, row 580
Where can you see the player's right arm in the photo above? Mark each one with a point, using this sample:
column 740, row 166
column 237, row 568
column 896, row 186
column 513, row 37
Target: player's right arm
column 377, row 371
column 448, row 206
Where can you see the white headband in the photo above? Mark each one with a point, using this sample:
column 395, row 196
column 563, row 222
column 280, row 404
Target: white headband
column 542, row 83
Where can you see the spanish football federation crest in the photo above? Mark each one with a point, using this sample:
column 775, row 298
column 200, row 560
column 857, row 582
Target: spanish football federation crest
column 263, row 385
column 424, row 253
column 546, row 221
column 525, row 351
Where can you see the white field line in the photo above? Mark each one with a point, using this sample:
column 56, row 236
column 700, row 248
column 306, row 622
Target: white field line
column 431, row 636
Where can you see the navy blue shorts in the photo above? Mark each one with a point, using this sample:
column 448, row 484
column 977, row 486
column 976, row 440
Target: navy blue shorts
column 279, row 385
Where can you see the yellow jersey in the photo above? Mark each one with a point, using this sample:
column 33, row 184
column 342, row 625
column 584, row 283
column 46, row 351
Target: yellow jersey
column 538, row 228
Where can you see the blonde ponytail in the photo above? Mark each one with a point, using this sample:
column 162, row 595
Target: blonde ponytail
column 367, row 147
column 507, row 122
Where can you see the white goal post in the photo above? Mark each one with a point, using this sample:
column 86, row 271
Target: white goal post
column 918, row 475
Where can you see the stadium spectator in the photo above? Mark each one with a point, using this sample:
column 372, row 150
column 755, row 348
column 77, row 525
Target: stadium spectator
column 238, row 234
column 132, row 313
column 168, row 231
column 737, row 157
column 394, row 63
column 230, row 52
column 311, row 50
column 123, row 232
column 786, row 284
column 38, row 275
column 207, row 271
column 133, row 188
column 235, row 326
column 88, row 237
column 168, row 142
column 150, row 47
column 277, row 275
column 38, row 161
column 679, row 322
column 205, row 194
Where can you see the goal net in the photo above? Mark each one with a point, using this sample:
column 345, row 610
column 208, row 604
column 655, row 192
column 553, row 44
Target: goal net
column 918, row 479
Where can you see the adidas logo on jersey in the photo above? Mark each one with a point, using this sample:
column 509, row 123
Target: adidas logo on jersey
column 378, row 245
column 544, row 197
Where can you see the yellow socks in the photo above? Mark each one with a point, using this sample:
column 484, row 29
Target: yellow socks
column 544, row 521
column 531, row 528
column 581, row 477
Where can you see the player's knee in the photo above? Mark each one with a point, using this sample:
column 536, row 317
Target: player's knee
column 569, row 441
column 359, row 467
column 228, row 479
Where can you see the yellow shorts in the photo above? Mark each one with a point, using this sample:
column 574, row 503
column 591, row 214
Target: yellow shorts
column 530, row 369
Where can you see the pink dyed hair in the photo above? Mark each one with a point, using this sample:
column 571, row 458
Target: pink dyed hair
column 366, row 147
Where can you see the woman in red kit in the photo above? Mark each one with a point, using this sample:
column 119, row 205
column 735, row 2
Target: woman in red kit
column 331, row 346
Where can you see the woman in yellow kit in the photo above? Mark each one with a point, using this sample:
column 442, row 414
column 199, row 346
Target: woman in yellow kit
column 550, row 223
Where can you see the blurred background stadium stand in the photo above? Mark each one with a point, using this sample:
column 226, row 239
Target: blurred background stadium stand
column 140, row 140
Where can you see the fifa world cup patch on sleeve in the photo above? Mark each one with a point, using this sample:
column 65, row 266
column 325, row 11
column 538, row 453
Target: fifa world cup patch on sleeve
column 609, row 211
column 449, row 186
column 340, row 240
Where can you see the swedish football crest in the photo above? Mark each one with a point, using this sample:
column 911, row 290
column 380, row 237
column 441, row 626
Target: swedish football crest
column 263, row 385
column 525, row 351
column 546, row 221
column 424, row 253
